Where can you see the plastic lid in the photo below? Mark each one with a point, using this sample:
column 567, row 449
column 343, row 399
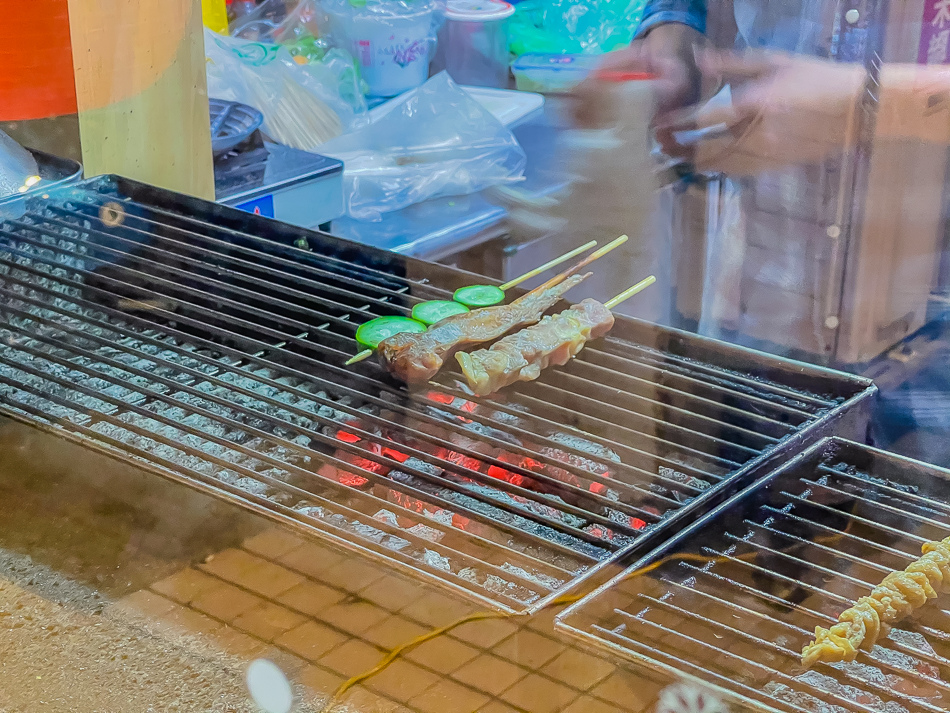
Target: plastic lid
column 608, row 75
column 478, row 10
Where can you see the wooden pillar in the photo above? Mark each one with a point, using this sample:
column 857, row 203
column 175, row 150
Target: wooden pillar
column 141, row 91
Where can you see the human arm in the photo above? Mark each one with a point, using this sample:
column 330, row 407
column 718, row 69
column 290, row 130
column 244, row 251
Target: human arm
column 789, row 110
column 664, row 46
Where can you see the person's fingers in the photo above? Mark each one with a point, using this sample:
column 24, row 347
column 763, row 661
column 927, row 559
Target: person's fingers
column 730, row 67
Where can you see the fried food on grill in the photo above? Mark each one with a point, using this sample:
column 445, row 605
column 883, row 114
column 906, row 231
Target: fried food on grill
column 896, row 597
column 416, row 358
column 522, row 356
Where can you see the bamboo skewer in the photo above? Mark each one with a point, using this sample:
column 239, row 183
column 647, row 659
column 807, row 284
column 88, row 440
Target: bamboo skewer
column 596, row 255
column 556, row 280
column 628, row 293
column 547, row 266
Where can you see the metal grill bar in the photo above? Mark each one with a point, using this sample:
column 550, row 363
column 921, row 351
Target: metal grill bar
column 282, row 337
column 588, row 384
column 216, row 358
column 784, row 556
column 450, row 466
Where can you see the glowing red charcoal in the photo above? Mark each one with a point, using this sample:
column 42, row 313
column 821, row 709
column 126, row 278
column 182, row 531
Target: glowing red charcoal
column 439, row 397
column 347, row 437
column 394, row 454
column 637, row 524
column 501, row 474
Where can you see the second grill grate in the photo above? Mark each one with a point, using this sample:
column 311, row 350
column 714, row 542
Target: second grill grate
column 733, row 600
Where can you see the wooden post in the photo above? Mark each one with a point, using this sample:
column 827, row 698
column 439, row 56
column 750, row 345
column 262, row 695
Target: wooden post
column 142, row 93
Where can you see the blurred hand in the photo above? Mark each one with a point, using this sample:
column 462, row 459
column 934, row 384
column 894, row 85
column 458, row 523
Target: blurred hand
column 668, row 51
column 785, row 110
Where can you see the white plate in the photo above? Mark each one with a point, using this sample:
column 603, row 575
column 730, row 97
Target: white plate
column 507, row 105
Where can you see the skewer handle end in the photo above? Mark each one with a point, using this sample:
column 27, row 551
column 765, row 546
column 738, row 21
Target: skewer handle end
column 362, row 356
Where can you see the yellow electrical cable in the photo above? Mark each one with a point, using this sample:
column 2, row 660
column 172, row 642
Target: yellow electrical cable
column 482, row 616
column 559, row 601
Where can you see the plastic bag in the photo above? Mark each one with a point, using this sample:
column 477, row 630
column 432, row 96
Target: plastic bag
column 303, row 104
column 433, row 141
column 573, row 26
column 18, row 169
column 272, row 22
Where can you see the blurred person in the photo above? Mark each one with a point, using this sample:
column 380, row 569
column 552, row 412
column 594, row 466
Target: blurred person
column 782, row 108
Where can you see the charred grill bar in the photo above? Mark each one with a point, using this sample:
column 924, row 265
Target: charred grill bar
column 783, row 557
column 158, row 327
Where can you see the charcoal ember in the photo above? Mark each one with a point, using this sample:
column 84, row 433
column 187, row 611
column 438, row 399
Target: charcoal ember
column 800, row 699
column 388, row 517
column 486, row 509
column 426, row 533
column 868, row 700
column 483, row 430
column 368, row 532
column 579, row 443
column 687, row 480
column 609, row 535
column 314, row 511
column 898, row 660
column 546, row 581
column 494, row 583
column 351, row 479
column 434, row 559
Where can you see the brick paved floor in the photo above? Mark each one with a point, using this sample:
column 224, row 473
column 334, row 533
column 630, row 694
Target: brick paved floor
column 325, row 615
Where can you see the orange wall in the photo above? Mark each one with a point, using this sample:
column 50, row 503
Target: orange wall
column 36, row 63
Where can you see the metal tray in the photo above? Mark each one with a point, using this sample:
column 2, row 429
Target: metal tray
column 728, row 603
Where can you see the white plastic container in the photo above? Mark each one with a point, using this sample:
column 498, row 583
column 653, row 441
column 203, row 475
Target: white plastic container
column 392, row 49
column 473, row 43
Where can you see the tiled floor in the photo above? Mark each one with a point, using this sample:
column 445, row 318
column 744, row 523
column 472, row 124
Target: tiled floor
column 325, row 615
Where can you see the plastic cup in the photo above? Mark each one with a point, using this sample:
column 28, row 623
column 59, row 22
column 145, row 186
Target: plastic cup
column 392, row 50
column 473, row 43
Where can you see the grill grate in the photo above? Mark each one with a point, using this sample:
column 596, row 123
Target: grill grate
column 152, row 327
column 785, row 556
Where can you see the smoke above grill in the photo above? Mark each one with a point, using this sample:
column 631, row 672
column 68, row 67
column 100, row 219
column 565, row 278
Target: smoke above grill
column 173, row 338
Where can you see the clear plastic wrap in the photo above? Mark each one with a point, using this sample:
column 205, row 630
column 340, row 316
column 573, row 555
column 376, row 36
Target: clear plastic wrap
column 18, row 169
column 304, row 104
column 432, row 141
column 573, row 26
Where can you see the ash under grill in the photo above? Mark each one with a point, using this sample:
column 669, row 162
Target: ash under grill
column 785, row 556
column 150, row 326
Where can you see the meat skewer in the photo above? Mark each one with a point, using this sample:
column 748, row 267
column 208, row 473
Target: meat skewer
column 416, row 358
column 860, row 626
column 554, row 340
column 484, row 295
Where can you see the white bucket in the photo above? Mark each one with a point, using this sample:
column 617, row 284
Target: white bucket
column 392, row 51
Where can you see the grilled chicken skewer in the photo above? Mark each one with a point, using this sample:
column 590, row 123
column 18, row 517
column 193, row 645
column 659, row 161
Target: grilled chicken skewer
column 416, row 358
column 860, row 626
column 555, row 340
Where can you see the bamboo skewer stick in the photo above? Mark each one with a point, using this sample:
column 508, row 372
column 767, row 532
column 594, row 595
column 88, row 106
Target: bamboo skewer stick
column 556, row 280
column 596, row 255
column 547, row 266
column 362, row 356
column 628, row 293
